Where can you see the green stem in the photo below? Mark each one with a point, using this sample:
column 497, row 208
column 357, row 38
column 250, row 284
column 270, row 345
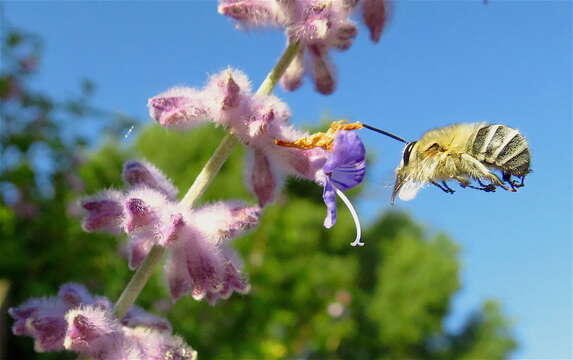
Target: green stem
column 209, row 171
column 138, row 281
column 202, row 181
column 277, row 72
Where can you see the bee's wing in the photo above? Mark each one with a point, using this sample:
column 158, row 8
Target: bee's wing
column 408, row 185
column 409, row 189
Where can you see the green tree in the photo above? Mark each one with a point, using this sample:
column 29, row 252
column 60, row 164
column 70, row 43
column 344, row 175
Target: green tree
column 313, row 296
column 41, row 149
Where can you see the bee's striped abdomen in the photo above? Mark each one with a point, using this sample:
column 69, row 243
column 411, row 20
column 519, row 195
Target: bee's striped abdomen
column 502, row 147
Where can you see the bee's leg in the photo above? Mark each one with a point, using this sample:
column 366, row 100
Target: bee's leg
column 484, row 173
column 445, row 189
column 462, row 181
column 484, row 187
column 450, row 190
column 495, row 181
column 514, row 184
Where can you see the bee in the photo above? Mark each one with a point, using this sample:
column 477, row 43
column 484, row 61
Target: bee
column 463, row 152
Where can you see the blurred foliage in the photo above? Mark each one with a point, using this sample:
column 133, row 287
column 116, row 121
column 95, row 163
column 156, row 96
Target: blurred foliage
column 313, row 296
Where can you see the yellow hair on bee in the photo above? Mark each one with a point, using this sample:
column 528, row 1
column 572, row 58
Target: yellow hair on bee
column 453, row 138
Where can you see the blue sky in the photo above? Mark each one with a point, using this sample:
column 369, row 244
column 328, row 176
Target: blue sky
column 439, row 62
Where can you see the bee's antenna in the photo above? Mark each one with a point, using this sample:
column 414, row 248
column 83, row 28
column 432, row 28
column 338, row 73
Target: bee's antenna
column 395, row 137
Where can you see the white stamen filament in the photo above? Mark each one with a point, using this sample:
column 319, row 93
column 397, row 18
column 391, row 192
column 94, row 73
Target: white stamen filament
column 348, row 204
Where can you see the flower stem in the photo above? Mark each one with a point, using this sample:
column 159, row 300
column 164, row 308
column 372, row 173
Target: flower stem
column 277, row 72
column 202, row 181
column 138, row 281
column 209, row 171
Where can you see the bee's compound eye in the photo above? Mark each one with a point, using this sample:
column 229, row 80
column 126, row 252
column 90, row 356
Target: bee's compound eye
column 408, row 151
column 433, row 147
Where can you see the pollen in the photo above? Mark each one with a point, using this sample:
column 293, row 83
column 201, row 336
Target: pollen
column 323, row 140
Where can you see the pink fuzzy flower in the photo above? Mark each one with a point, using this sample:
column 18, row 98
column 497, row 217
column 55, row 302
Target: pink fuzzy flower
column 94, row 332
column 315, row 24
column 200, row 260
column 78, row 321
column 257, row 121
column 42, row 319
column 224, row 98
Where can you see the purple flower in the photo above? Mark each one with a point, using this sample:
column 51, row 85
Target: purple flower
column 200, row 260
column 77, row 321
column 343, row 169
column 318, row 25
column 43, row 318
column 224, row 98
column 95, row 332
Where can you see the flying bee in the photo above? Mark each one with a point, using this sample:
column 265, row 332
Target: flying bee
column 463, row 152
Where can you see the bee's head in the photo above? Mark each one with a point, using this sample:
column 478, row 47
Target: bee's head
column 408, row 154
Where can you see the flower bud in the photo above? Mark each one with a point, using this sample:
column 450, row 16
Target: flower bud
column 104, row 212
column 323, row 74
column 262, row 177
column 73, row 295
column 375, row 16
column 292, row 78
column 251, row 12
column 180, row 108
column 143, row 173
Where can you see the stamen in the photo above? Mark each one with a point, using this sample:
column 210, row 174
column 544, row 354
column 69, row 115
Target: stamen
column 348, row 204
column 323, row 140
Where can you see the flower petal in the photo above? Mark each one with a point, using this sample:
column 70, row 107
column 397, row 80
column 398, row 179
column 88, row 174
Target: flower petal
column 176, row 272
column 73, row 295
column 323, row 72
column 347, row 163
column 136, row 316
column 292, row 78
column 225, row 220
column 262, row 177
column 329, row 197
